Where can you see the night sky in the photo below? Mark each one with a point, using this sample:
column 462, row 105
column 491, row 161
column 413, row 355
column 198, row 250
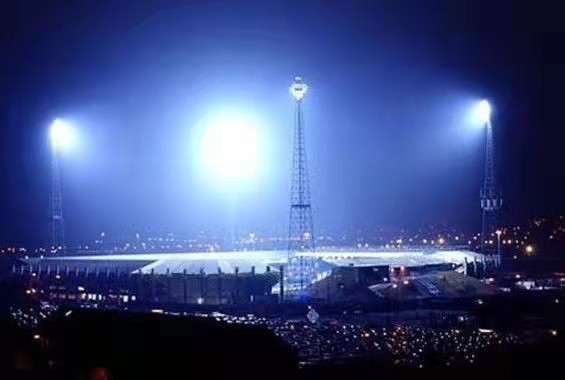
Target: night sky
column 389, row 139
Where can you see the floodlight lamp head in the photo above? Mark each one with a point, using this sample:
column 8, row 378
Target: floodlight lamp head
column 298, row 88
column 60, row 134
column 484, row 111
column 230, row 147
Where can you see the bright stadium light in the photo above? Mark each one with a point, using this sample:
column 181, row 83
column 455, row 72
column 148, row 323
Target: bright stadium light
column 62, row 137
column 484, row 111
column 298, row 88
column 61, row 134
column 230, row 147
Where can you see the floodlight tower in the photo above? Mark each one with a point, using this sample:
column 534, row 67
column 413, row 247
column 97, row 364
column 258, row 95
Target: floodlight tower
column 58, row 135
column 301, row 268
column 491, row 200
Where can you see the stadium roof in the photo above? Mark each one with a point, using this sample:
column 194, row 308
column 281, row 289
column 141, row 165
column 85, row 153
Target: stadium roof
column 227, row 262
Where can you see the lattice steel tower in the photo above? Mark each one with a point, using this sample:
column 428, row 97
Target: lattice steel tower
column 56, row 226
column 491, row 200
column 301, row 269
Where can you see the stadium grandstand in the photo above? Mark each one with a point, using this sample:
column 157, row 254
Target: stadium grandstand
column 247, row 261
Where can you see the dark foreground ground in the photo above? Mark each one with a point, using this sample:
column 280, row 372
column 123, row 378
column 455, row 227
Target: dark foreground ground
column 97, row 344
column 510, row 333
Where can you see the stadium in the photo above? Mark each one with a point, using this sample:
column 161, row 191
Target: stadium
column 245, row 277
column 258, row 261
column 240, row 278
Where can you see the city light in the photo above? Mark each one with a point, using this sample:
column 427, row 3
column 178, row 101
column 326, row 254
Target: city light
column 61, row 134
column 230, row 147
